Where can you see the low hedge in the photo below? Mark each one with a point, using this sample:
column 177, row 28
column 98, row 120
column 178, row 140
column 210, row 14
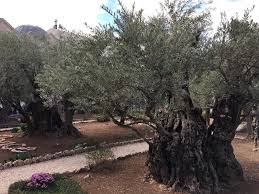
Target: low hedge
column 62, row 185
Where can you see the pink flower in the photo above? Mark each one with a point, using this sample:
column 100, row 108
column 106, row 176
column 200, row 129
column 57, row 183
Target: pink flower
column 40, row 180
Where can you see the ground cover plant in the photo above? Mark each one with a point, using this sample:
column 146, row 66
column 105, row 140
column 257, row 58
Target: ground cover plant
column 56, row 184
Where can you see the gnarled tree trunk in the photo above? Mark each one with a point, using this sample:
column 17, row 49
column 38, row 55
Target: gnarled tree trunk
column 69, row 111
column 45, row 119
column 184, row 155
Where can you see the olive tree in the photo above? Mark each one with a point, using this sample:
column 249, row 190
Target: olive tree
column 20, row 61
column 158, row 65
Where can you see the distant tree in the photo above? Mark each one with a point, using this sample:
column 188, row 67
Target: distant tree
column 20, row 61
column 22, row 58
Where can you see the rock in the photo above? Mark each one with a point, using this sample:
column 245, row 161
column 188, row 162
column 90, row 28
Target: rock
column 87, row 168
column 28, row 161
column 37, row 159
column 242, row 127
column 55, row 156
column 41, row 159
column 78, row 146
column 8, row 165
column 76, row 171
column 77, row 150
column 66, row 152
column 18, row 151
column 20, row 162
column 240, row 137
column 1, row 166
column 69, row 153
column 73, row 152
column 146, row 178
column 5, row 166
column 52, row 156
column 46, row 157
column 26, row 148
column 15, row 163
column 87, row 176
column 162, row 187
column 34, row 160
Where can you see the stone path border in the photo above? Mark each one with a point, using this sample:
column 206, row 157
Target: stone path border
column 66, row 164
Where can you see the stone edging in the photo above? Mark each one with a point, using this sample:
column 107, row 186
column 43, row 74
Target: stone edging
column 62, row 154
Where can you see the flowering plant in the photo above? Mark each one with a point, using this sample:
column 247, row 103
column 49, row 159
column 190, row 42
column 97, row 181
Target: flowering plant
column 40, row 180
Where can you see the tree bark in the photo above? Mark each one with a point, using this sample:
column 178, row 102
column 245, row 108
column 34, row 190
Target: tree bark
column 69, row 111
column 188, row 157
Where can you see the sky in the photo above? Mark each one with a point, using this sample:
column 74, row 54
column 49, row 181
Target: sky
column 73, row 14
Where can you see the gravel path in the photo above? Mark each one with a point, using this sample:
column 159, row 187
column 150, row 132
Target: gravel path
column 62, row 165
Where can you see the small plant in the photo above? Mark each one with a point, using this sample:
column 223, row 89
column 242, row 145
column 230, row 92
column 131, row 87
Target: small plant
column 23, row 156
column 40, row 181
column 20, row 156
column 103, row 118
column 15, row 129
column 100, row 155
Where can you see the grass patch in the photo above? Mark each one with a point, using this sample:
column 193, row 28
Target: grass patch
column 62, row 185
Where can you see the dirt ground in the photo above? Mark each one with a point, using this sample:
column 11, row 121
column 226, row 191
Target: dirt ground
column 126, row 176
column 93, row 133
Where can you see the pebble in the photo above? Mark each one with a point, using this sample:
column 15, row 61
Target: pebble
column 47, row 156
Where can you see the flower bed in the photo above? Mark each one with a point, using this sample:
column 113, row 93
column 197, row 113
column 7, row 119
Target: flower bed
column 43, row 183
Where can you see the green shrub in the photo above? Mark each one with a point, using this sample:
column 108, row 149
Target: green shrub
column 100, row 155
column 20, row 156
column 103, row 118
column 15, row 129
column 62, row 185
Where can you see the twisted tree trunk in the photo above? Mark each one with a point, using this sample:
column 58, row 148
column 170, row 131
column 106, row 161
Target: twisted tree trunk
column 45, row 119
column 186, row 156
column 69, row 111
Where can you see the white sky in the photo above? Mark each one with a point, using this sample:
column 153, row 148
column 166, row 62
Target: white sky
column 72, row 14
